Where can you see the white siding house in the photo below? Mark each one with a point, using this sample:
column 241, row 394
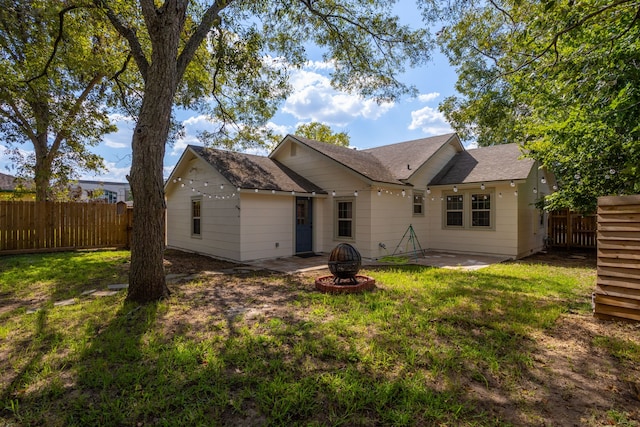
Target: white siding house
column 308, row 196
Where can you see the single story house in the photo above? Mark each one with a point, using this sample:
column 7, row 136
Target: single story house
column 307, row 196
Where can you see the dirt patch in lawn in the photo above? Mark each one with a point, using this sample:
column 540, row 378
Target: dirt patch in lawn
column 573, row 378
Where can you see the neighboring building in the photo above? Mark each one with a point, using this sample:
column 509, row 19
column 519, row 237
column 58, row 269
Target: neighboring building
column 110, row 192
column 8, row 185
column 308, row 196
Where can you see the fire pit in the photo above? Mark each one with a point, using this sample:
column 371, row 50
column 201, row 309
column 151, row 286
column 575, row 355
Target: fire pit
column 344, row 263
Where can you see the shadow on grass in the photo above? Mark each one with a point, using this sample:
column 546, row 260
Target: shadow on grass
column 266, row 349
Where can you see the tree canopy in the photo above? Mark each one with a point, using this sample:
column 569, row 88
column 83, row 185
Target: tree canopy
column 230, row 59
column 322, row 132
column 561, row 78
column 55, row 58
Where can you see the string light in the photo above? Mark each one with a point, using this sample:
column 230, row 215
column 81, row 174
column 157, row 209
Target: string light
column 428, row 190
column 512, row 184
column 403, row 192
column 379, row 192
column 543, row 180
column 482, row 186
column 535, row 190
column 455, row 188
column 355, row 193
column 333, row 192
column 515, row 193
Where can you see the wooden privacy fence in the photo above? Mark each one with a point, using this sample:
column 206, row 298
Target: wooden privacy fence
column 617, row 292
column 51, row 226
column 571, row 230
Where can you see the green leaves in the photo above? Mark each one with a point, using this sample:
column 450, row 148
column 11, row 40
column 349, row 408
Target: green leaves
column 54, row 62
column 558, row 78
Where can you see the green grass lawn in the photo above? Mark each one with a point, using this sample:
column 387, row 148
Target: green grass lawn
column 267, row 349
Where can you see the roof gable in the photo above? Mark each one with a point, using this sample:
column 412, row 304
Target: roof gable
column 486, row 164
column 360, row 162
column 254, row 172
column 403, row 159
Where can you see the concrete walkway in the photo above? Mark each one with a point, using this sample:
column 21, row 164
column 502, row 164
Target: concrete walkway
column 296, row 264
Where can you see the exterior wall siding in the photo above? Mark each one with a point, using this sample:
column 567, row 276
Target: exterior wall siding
column 324, row 173
column 501, row 240
column 268, row 228
column 220, row 221
column 532, row 228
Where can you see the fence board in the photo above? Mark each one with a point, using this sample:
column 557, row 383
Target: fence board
column 617, row 293
column 570, row 230
column 50, row 226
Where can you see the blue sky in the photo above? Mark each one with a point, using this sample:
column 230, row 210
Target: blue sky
column 367, row 123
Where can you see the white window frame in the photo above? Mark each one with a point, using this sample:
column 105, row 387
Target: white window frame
column 337, row 219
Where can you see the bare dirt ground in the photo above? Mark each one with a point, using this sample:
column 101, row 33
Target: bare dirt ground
column 571, row 382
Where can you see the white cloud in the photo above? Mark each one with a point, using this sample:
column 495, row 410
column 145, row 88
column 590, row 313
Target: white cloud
column 114, row 173
column 279, row 129
column 313, row 99
column 428, row 119
column 113, row 144
column 426, row 97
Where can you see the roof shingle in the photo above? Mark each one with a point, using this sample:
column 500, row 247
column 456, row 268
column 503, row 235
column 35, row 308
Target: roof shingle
column 494, row 163
column 251, row 171
column 404, row 158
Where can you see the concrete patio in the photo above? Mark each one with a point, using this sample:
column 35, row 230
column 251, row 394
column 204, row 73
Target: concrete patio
column 297, row 264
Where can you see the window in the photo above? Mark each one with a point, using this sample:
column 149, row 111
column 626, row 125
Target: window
column 418, row 203
column 481, row 210
column 455, row 211
column 344, row 226
column 468, row 209
column 196, row 204
column 110, row 196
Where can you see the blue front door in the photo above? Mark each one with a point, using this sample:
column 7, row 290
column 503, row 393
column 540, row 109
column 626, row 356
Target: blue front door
column 304, row 225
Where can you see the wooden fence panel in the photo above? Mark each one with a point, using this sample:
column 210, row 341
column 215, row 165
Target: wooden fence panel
column 617, row 294
column 572, row 230
column 50, row 226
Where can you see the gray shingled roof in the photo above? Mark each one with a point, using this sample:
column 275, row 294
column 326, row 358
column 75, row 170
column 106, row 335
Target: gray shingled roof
column 7, row 182
column 494, row 163
column 251, row 171
column 361, row 162
column 396, row 157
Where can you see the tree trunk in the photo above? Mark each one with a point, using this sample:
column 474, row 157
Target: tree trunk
column 146, row 276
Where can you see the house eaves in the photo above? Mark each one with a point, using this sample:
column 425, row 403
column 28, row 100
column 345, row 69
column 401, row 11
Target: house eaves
column 248, row 171
column 486, row 164
column 363, row 164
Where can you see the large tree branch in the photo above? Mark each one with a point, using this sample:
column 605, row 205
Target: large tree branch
column 18, row 119
column 210, row 19
column 129, row 34
column 55, row 43
column 553, row 44
column 73, row 112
